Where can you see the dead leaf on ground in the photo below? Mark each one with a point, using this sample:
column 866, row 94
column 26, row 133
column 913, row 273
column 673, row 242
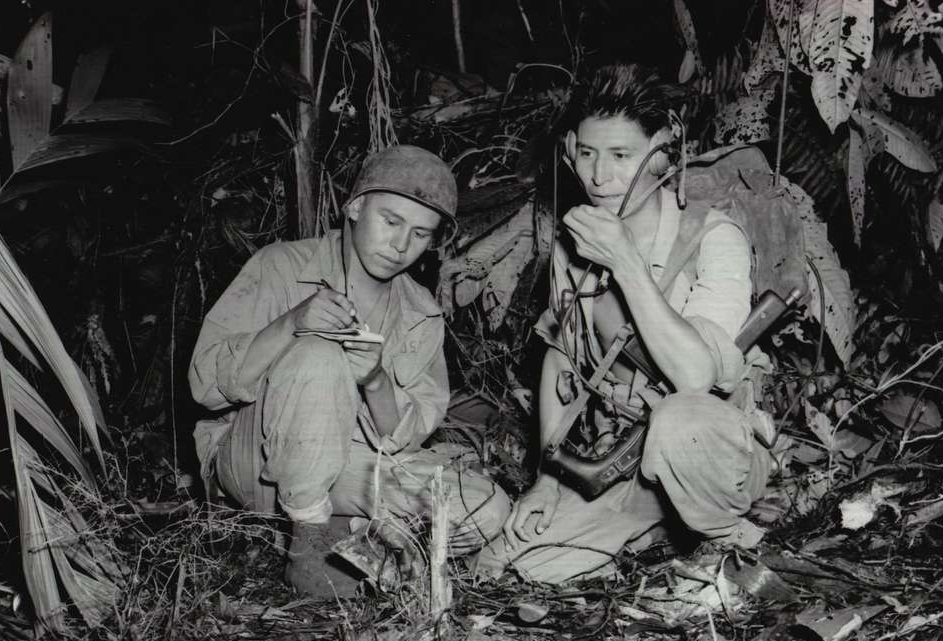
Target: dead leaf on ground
column 905, row 411
column 531, row 612
column 926, row 514
column 840, row 624
column 760, row 581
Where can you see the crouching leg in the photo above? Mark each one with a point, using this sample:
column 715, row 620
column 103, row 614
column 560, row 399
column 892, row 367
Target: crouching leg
column 477, row 506
column 701, row 452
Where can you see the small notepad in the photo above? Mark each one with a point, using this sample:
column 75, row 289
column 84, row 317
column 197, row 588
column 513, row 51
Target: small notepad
column 350, row 334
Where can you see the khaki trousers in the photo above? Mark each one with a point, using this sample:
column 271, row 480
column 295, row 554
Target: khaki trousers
column 700, row 461
column 295, row 448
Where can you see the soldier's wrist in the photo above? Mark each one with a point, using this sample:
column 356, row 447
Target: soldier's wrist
column 547, row 481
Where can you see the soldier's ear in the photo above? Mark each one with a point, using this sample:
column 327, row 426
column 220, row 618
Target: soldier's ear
column 569, row 155
column 659, row 162
column 354, row 208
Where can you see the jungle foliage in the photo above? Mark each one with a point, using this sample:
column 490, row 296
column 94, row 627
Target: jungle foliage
column 127, row 243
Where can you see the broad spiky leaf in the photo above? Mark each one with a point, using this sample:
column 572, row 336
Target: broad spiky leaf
column 38, row 567
column 778, row 11
column 874, row 93
column 29, row 91
column 120, row 110
column 746, row 120
column 21, row 303
column 689, row 34
column 9, row 331
column 62, row 147
column 914, row 19
column 899, row 141
column 34, row 410
column 840, row 50
column 935, row 224
column 768, row 60
column 86, row 79
column 872, row 141
column 18, row 188
column 855, row 180
column 838, row 316
column 86, row 568
column 911, row 73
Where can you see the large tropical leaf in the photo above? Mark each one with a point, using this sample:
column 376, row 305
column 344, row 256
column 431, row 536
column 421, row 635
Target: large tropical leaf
column 911, row 73
column 768, row 59
column 855, row 180
column 38, row 568
column 29, row 91
column 872, row 141
column 873, row 93
column 746, row 120
column 11, row 332
column 21, row 303
column 62, row 147
column 935, row 224
column 840, row 50
column 120, row 110
column 914, row 19
column 87, row 569
column 86, row 79
column 838, row 316
column 688, row 33
column 779, row 13
column 56, row 550
column 30, row 405
column 64, row 562
column 17, row 187
column 899, row 141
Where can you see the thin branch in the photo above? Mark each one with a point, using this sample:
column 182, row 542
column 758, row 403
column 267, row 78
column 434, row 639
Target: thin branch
column 457, row 33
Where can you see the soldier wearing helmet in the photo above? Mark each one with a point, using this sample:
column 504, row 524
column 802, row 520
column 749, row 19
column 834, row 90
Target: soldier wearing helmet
column 308, row 418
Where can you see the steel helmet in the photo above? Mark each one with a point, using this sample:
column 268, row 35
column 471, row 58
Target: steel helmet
column 412, row 172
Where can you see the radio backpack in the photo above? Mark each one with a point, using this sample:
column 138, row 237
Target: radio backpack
column 737, row 181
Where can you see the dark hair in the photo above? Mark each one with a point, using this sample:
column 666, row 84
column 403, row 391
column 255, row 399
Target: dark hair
column 637, row 93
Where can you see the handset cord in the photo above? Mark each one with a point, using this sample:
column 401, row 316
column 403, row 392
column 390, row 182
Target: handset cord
column 577, row 293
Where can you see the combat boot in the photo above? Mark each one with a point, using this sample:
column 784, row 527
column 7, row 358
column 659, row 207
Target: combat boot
column 312, row 569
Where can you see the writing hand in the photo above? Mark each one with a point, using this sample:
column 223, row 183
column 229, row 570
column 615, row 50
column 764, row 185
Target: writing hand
column 364, row 359
column 327, row 309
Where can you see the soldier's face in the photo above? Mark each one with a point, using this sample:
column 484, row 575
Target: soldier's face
column 606, row 153
column 390, row 232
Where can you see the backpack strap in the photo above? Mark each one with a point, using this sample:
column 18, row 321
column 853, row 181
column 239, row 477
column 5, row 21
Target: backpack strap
column 684, row 252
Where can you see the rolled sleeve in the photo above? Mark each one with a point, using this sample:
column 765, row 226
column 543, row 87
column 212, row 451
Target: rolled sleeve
column 727, row 357
column 719, row 301
column 420, row 390
column 230, row 355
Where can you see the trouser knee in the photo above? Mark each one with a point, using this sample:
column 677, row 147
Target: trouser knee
column 308, row 416
column 678, row 429
column 482, row 507
column 308, row 359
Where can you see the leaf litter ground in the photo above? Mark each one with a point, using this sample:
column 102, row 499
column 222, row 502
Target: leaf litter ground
column 853, row 556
